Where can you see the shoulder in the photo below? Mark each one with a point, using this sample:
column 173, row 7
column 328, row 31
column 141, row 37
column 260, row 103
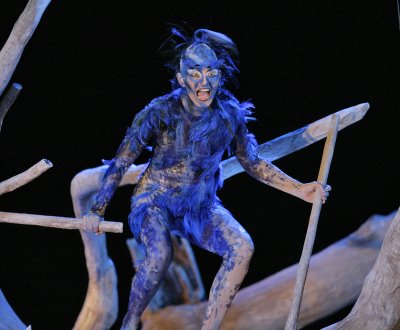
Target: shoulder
column 231, row 109
column 158, row 108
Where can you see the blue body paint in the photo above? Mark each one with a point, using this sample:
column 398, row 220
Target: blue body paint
column 189, row 130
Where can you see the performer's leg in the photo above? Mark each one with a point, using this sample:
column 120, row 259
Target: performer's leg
column 227, row 238
column 157, row 240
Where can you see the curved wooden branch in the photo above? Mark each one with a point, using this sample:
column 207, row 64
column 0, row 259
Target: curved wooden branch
column 8, row 100
column 23, row 30
column 55, row 222
column 25, row 177
column 100, row 309
column 334, row 280
column 378, row 304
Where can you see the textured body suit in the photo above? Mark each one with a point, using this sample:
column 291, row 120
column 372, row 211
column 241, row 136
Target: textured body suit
column 177, row 192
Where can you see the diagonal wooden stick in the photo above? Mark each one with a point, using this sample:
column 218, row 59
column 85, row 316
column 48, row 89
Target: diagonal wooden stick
column 56, row 222
column 25, row 177
column 304, row 263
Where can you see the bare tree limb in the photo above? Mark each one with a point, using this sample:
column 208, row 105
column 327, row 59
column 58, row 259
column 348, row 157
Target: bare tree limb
column 56, row 222
column 8, row 101
column 377, row 306
column 23, row 30
column 25, row 177
column 100, row 308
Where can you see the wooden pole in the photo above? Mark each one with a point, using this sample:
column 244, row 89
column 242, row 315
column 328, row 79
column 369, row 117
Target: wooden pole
column 304, row 263
column 56, row 222
column 25, row 177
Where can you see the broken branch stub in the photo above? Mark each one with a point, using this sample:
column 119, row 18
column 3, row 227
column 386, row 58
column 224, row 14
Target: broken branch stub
column 25, row 177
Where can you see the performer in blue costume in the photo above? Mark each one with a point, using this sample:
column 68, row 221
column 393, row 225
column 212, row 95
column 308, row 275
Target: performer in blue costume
column 189, row 131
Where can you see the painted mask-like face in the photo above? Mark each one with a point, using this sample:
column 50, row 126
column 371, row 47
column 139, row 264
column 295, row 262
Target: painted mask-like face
column 199, row 74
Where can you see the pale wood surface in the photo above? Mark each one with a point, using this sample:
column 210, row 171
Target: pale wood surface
column 56, row 222
column 335, row 279
column 100, row 308
column 378, row 304
column 22, row 31
column 25, row 177
column 304, row 263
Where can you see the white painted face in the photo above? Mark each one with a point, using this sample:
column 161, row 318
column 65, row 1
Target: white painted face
column 199, row 74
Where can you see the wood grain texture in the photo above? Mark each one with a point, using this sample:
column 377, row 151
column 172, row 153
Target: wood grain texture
column 25, row 177
column 377, row 307
column 21, row 33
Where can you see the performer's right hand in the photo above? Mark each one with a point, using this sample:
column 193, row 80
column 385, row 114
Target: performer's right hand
column 91, row 222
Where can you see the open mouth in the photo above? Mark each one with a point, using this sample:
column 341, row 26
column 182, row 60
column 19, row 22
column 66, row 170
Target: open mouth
column 203, row 94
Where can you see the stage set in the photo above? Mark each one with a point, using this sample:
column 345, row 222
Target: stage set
column 324, row 80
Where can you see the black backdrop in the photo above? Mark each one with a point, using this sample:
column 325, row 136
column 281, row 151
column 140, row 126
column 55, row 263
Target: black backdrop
column 91, row 65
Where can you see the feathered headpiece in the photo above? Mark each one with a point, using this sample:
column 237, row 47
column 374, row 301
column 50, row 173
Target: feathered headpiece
column 224, row 48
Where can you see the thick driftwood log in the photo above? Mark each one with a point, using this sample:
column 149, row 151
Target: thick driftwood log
column 335, row 279
column 19, row 37
column 56, row 222
column 8, row 318
column 25, row 177
column 8, row 100
column 378, row 304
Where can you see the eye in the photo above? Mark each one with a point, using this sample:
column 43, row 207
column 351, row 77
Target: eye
column 194, row 74
column 213, row 73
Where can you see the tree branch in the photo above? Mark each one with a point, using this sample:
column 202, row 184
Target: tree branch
column 25, row 177
column 22, row 31
column 56, row 222
column 8, row 101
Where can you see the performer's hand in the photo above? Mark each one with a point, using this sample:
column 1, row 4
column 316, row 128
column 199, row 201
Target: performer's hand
column 91, row 222
column 308, row 191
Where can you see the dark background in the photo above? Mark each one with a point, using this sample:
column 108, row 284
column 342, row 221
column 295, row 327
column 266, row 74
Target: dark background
column 91, row 65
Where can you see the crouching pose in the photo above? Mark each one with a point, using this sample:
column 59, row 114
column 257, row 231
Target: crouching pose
column 189, row 131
